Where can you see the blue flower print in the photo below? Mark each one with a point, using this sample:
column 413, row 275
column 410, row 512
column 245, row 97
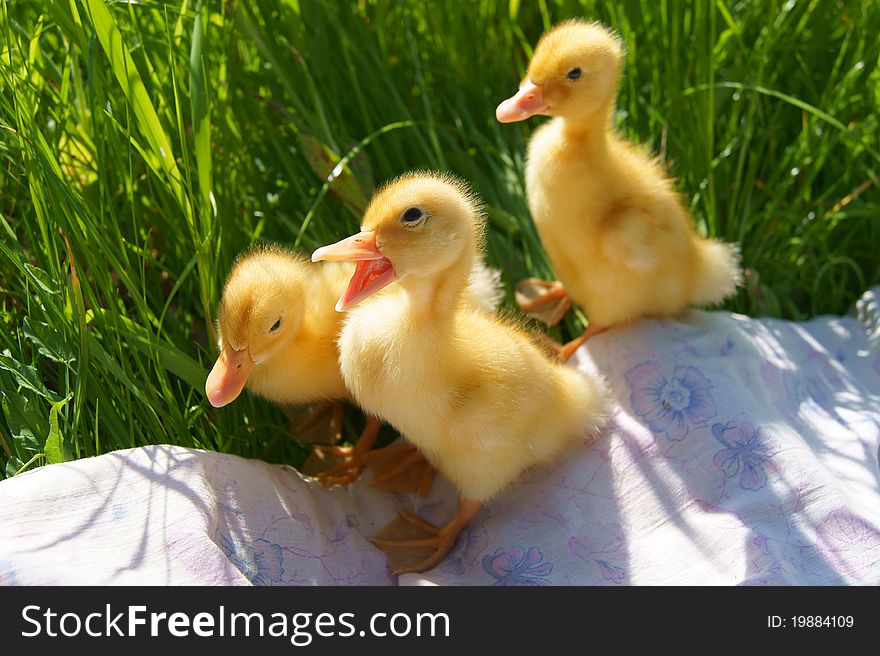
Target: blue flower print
column 744, row 453
column 670, row 406
column 261, row 563
column 516, row 567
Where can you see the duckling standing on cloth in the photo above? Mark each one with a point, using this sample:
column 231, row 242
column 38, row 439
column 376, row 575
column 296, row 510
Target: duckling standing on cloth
column 616, row 232
column 277, row 333
column 475, row 394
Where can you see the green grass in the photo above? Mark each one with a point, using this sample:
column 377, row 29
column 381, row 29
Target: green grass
column 158, row 140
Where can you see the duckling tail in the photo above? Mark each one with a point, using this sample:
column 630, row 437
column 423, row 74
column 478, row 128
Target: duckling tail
column 718, row 272
column 485, row 288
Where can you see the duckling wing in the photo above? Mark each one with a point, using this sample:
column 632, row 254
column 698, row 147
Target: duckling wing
column 631, row 239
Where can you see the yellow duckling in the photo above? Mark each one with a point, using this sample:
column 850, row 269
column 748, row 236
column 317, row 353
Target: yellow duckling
column 618, row 236
column 475, row 394
column 274, row 332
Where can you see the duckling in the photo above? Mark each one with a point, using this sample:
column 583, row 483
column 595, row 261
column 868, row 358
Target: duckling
column 618, row 236
column 274, row 332
column 473, row 392
column 277, row 336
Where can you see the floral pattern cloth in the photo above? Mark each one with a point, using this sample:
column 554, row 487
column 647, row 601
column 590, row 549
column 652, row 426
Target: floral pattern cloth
column 741, row 452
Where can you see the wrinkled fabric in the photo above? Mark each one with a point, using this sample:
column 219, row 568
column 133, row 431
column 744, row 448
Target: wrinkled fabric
column 741, row 451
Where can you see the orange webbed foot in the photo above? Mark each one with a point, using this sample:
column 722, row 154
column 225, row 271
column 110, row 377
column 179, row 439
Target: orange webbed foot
column 414, row 545
column 545, row 300
column 334, row 465
column 341, row 465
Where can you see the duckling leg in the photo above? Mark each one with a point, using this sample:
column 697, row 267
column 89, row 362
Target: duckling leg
column 347, row 462
column 414, row 545
column 545, row 300
column 305, row 422
column 567, row 350
column 400, row 468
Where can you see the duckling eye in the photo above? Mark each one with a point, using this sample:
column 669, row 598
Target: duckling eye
column 573, row 74
column 412, row 215
column 275, row 326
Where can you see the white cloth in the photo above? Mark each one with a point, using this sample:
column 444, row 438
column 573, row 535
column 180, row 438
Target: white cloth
column 742, row 452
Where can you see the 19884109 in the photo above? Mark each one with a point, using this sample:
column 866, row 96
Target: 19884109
column 810, row 622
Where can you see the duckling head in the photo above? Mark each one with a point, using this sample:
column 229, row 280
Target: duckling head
column 418, row 226
column 261, row 311
column 573, row 73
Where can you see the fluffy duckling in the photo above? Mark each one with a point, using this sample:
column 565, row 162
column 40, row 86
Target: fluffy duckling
column 618, row 236
column 277, row 335
column 275, row 332
column 475, row 394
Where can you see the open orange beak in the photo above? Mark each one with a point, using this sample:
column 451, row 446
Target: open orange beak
column 228, row 377
column 528, row 101
column 372, row 272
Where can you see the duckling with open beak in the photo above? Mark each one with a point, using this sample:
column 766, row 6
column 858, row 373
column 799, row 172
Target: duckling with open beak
column 474, row 393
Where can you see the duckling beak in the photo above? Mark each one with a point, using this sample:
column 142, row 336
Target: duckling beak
column 228, row 377
column 528, row 101
column 372, row 272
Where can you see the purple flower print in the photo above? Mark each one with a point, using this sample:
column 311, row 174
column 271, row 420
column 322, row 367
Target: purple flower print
column 744, row 453
column 515, row 567
column 849, row 543
column 608, row 571
column 670, row 406
column 344, row 528
column 762, row 543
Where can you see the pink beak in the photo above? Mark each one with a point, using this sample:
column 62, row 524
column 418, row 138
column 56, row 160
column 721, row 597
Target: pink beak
column 528, row 101
column 372, row 272
column 228, row 377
